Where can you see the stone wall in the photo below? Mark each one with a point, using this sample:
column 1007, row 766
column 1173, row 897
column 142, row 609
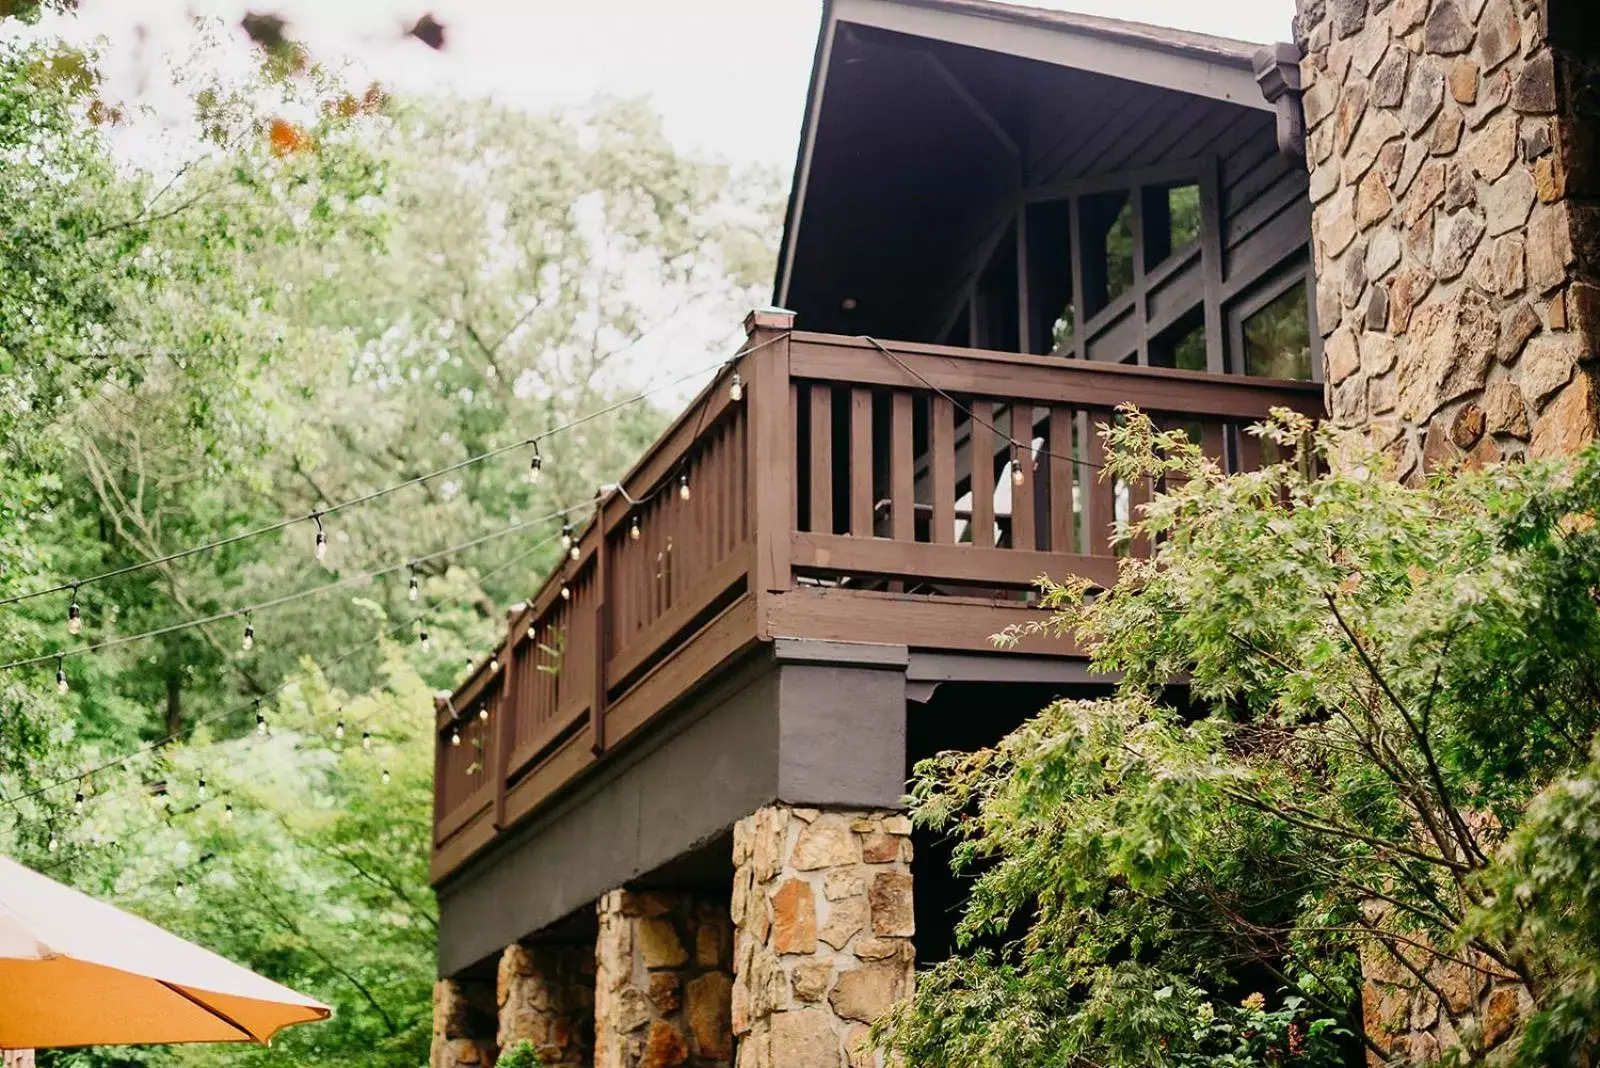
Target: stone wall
column 1452, row 174
column 663, row 981
column 545, row 994
column 464, row 1024
column 823, row 920
column 1417, row 1009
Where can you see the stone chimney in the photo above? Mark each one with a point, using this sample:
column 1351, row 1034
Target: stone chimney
column 1451, row 150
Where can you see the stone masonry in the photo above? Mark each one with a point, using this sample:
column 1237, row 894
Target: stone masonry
column 663, row 981
column 1451, row 152
column 545, row 993
column 463, row 1024
column 823, row 920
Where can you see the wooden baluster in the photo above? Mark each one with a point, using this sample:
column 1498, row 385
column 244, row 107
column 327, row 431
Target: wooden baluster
column 597, row 701
column 902, row 474
column 795, row 458
column 505, row 724
column 1062, row 535
column 1250, row 458
column 861, row 501
column 942, row 469
column 821, row 521
column 1099, row 510
column 1022, row 528
column 982, row 450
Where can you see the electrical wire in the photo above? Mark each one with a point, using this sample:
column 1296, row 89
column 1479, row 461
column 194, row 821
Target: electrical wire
column 319, row 513
column 338, row 658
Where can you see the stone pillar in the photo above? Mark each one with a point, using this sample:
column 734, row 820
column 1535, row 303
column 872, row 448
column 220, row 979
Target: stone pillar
column 463, row 1024
column 546, row 996
column 663, row 982
column 1455, row 224
column 16, row 1058
column 823, row 920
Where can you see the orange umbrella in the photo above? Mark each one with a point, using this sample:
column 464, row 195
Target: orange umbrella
column 76, row 972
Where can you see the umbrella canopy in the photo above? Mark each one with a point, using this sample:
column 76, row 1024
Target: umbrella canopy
column 75, row 972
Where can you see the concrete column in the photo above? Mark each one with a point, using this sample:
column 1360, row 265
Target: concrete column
column 463, row 1024
column 1455, row 224
column 823, row 919
column 546, row 996
column 663, row 982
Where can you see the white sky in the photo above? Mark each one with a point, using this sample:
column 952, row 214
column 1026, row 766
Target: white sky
column 728, row 75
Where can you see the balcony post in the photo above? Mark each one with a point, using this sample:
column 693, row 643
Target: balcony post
column 505, row 721
column 770, row 470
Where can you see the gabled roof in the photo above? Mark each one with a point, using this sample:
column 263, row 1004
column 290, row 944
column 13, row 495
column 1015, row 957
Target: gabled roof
column 1200, row 64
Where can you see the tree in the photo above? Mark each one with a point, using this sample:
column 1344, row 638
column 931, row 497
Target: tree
column 1384, row 765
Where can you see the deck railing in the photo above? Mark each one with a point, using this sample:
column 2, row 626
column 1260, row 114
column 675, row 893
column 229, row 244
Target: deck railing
column 852, row 491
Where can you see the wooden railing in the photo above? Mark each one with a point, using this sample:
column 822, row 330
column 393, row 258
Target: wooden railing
column 909, row 494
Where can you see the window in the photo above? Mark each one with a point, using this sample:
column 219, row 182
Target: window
column 1277, row 337
column 1171, row 220
column 1052, row 321
column 1108, row 249
column 1183, row 344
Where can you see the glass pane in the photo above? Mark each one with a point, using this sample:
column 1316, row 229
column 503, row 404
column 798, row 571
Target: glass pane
column 1277, row 339
column 1183, row 344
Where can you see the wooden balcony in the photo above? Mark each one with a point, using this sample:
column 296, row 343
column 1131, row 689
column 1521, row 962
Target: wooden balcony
column 850, row 495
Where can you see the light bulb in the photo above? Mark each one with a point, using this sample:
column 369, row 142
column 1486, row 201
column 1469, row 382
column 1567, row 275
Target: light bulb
column 483, row 714
column 178, row 889
column 51, row 845
column 77, row 801
column 1017, row 477
column 412, row 588
column 736, row 387
column 566, row 595
column 61, row 677
column 455, row 737
column 633, row 531
column 338, row 729
column 683, row 487
column 422, row 638
column 249, row 642
column 386, row 776
column 566, row 536
column 494, row 664
column 227, row 812
column 366, row 739
column 74, row 617
column 200, row 788
column 261, row 724
column 535, row 465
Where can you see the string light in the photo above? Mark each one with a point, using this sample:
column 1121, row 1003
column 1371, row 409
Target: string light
column 633, row 530
column 413, row 588
column 74, row 615
column 422, row 637
column 322, row 537
column 261, row 721
column 494, row 663
column 567, row 539
column 535, row 465
column 366, row 740
column 736, row 388
column 77, row 801
column 51, row 845
column 338, row 730
column 566, row 593
column 455, row 736
column 227, row 812
column 1017, row 475
column 683, row 486
column 178, row 889
column 249, row 641
column 483, row 714
column 61, row 675
column 385, row 776
column 200, row 788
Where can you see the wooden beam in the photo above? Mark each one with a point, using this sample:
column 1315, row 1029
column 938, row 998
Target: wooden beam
column 965, row 565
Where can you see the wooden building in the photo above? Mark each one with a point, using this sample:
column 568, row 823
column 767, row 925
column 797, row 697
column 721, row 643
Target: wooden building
column 668, row 823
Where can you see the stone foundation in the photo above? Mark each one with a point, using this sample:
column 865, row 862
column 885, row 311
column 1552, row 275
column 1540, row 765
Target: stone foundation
column 1454, row 226
column 663, row 981
column 1458, row 1007
column 823, row 920
column 464, row 1024
column 546, row 996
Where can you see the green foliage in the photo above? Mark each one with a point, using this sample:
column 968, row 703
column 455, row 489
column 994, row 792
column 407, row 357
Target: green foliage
column 303, row 312
column 521, row 1055
column 1386, row 753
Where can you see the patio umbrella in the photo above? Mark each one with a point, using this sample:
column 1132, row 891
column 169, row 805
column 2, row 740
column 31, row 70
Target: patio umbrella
column 76, row 972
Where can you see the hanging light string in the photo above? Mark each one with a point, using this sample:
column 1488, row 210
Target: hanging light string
column 1010, row 439
column 248, row 611
column 319, row 514
column 344, row 655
